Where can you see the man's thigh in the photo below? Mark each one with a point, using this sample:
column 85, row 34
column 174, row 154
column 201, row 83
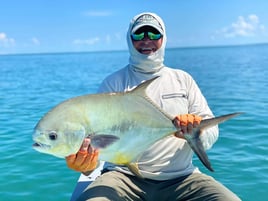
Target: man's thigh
column 201, row 187
column 114, row 186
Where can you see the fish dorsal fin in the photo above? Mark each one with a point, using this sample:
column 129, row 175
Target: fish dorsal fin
column 140, row 90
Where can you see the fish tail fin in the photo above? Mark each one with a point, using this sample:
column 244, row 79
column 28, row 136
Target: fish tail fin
column 207, row 123
column 199, row 150
column 194, row 139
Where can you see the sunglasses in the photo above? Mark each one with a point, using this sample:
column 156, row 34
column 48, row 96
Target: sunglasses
column 151, row 36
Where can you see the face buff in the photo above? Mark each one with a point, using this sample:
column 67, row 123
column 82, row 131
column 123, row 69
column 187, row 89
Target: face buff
column 147, row 64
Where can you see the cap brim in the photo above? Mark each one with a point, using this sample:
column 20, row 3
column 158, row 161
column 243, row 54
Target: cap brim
column 148, row 24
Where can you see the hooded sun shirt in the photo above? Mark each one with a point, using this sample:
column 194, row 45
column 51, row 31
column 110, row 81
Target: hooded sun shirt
column 146, row 63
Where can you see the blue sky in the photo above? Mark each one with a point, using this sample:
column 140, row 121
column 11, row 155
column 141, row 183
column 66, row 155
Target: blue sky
column 41, row 26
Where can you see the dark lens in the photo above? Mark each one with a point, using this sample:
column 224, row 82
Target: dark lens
column 154, row 36
column 137, row 36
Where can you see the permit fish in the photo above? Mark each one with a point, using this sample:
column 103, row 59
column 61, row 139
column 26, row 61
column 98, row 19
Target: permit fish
column 121, row 125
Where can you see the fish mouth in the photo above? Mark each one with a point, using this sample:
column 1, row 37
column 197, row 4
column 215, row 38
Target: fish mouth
column 39, row 145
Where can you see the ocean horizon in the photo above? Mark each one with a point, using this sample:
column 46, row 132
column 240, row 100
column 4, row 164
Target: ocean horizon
column 125, row 50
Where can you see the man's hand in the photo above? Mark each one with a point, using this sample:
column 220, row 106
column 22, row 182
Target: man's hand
column 85, row 160
column 185, row 124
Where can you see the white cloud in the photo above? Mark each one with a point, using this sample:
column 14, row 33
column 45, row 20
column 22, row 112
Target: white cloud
column 90, row 41
column 103, row 40
column 97, row 13
column 6, row 41
column 244, row 27
column 35, row 41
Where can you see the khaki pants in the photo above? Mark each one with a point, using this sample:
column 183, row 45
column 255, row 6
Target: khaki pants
column 115, row 186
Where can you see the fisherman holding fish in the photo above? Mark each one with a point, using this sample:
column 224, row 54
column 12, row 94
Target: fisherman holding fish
column 165, row 169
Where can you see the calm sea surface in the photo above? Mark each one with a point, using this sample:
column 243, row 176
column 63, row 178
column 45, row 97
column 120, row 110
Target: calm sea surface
column 232, row 79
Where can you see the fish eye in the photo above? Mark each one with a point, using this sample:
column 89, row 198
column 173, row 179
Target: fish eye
column 53, row 135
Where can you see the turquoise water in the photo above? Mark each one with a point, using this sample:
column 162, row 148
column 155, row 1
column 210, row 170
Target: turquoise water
column 232, row 79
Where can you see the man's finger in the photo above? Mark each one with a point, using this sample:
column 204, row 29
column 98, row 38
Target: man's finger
column 81, row 157
column 197, row 120
column 85, row 145
column 70, row 159
column 90, row 162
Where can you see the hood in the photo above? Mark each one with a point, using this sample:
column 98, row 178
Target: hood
column 142, row 63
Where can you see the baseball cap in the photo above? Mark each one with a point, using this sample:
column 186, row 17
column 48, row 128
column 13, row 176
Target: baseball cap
column 146, row 20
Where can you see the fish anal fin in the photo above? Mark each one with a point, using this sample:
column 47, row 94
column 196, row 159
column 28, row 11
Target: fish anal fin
column 134, row 168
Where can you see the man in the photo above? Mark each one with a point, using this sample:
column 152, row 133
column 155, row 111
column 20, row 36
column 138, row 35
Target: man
column 166, row 166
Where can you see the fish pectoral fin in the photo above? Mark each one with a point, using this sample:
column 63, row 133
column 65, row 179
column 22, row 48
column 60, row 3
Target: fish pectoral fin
column 103, row 140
